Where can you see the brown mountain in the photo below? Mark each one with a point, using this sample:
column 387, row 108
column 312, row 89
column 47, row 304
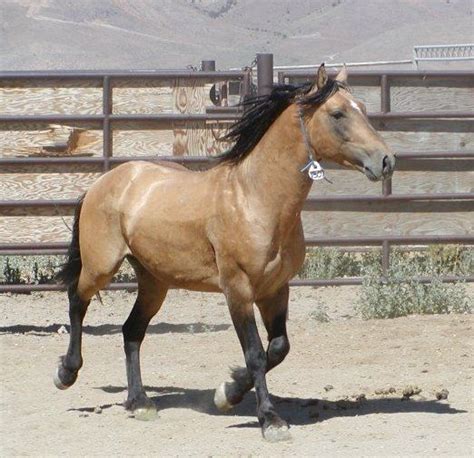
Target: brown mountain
column 145, row 34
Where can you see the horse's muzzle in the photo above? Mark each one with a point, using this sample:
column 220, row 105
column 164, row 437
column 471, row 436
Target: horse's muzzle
column 381, row 169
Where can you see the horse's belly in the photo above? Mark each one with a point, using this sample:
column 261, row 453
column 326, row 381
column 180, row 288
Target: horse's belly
column 177, row 259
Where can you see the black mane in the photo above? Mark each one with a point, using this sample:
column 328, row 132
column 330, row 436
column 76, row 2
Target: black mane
column 260, row 112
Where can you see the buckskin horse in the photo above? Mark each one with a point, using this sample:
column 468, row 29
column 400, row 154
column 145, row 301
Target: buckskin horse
column 234, row 228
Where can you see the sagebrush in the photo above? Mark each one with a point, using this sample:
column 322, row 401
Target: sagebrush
column 400, row 291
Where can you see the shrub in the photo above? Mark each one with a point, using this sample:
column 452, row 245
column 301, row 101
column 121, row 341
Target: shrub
column 29, row 269
column 35, row 270
column 399, row 293
column 329, row 263
column 320, row 313
column 11, row 274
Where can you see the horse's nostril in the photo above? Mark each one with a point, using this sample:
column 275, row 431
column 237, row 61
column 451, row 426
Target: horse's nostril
column 385, row 164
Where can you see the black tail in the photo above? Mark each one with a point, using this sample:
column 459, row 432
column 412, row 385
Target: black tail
column 70, row 271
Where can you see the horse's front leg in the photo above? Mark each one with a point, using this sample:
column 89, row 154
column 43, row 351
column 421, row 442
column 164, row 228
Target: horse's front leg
column 274, row 313
column 239, row 296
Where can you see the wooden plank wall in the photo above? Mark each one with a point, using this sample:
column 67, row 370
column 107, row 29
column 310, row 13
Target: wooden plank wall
column 196, row 138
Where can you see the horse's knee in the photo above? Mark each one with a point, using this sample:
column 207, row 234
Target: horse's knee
column 134, row 330
column 278, row 348
column 77, row 306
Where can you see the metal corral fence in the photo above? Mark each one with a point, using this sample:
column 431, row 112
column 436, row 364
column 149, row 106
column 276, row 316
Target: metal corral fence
column 443, row 53
column 106, row 120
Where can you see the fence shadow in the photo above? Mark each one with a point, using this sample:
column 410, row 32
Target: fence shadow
column 108, row 329
column 297, row 411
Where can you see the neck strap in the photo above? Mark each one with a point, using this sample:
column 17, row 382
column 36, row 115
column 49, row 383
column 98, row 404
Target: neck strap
column 315, row 171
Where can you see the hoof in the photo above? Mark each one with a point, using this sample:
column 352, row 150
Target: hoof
column 277, row 433
column 220, row 399
column 142, row 408
column 63, row 378
column 145, row 413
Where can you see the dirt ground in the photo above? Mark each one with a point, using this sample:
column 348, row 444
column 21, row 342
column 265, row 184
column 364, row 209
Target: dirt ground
column 186, row 355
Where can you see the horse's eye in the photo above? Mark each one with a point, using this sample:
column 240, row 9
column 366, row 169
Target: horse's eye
column 337, row 115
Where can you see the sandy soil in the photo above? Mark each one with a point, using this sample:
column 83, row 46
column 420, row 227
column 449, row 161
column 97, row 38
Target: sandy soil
column 188, row 349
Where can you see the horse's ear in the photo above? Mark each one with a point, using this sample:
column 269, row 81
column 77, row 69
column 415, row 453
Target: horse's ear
column 321, row 77
column 342, row 75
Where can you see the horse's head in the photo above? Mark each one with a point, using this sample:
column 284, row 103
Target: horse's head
column 338, row 127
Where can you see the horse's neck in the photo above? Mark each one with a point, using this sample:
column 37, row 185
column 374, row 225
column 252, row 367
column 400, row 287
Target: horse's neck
column 271, row 174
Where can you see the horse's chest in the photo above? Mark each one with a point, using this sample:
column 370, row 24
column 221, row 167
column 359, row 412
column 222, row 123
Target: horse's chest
column 282, row 267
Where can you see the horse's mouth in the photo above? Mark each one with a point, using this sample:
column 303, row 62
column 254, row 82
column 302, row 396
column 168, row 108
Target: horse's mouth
column 367, row 172
column 371, row 175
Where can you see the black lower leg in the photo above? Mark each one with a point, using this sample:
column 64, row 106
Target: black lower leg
column 72, row 361
column 278, row 348
column 256, row 361
column 133, row 333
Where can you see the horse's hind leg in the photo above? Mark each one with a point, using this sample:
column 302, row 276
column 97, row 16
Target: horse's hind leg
column 151, row 295
column 71, row 362
column 93, row 277
column 274, row 312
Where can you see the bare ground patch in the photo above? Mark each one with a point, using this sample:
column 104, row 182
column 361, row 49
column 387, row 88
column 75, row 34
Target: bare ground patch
column 341, row 387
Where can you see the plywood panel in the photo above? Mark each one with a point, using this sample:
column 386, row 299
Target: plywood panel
column 15, row 186
column 50, row 97
column 182, row 95
column 31, row 229
column 348, row 182
column 190, row 96
column 39, row 139
column 137, row 142
column 427, row 135
column 179, row 138
column 418, row 182
column 431, row 94
column 23, row 229
column 153, row 96
column 369, row 95
column 352, row 223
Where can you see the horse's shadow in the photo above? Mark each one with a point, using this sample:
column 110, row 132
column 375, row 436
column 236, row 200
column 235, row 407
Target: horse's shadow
column 109, row 329
column 297, row 411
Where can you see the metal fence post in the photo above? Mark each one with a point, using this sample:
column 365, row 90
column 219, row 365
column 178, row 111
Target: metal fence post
column 107, row 136
column 264, row 73
column 387, row 184
column 246, row 84
column 208, row 65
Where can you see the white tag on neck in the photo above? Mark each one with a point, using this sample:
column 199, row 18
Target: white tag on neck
column 315, row 171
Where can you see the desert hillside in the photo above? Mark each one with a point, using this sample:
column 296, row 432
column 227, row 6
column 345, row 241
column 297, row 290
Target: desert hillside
column 139, row 34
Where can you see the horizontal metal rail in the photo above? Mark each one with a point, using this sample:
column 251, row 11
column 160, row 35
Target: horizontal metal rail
column 29, row 248
column 309, row 204
column 194, row 160
column 228, row 116
column 159, row 117
column 120, row 74
column 345, row 64
column 213, row 75
column 413, row 74
column 392, row 239
column 345, row 281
